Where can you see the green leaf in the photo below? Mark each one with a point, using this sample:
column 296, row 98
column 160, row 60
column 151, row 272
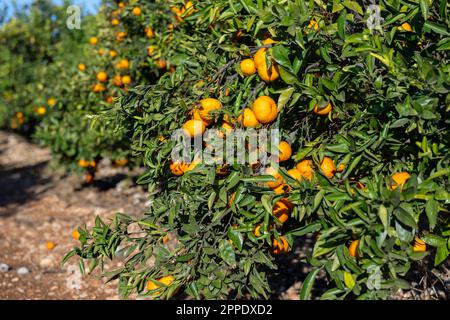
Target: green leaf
column 383, row 215
column 353, row 5
column 308, row 284
column 405, row 217
column 424, row 8
column 436, row 28
column 226, row 252
column 281, row 55
column 287, row 76
column 432, row 209
column 284, row 97
column 441, row 254
column 313, row 227
column 348, row 280
column 236, row 237
column 342, row 21
column 266, row 202
column 433, row 240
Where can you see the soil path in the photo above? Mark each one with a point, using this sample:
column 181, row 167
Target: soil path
column 38, row 205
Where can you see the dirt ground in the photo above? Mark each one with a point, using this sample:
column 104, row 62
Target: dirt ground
column 38, row 204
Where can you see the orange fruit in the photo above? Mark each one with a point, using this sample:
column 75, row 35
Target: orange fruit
column 281, row 246
column 353, row 249
column 323, row 111
column 406, row 27
column 81, row 67
column 121, row 162
column 161, row 64
column 281, row 211
column 83, row 163
column 75, row 234
column 295, row 174
column 285, row 151
column 194, row 128
column 151, row 50
column 419, row 245
column 117, row 80
column 208, row 105
column 126, row 80
column 93, row 41
column 341, row 167
column 89, row 178
column 112, row 54
column 266, row 74
column 248, row 67
column 41, row 111
column 306, row 169
column 268, row 41
column 102, row 76
column 192, row 165
column 265, row 109
column 51, row 102
column 250, row 120
column 279, row 178
column 196, row 116
column 115, row 22
column 178, row 168
column 360, row 185
column 50, row 245
column 328, row 168
column 93, row 164
column 399, row 179
column 188, row 5
column 98, row 88
column 167, row 281
column 282, row 189
column 123, row 64
column 121, row 5
column 120, row 36
column 136, row 11
column 313, row 25
column 257, row 230
column 149, row 32
column 227, row 127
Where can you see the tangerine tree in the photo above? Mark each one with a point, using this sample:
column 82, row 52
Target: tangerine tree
column 118, row 54
column 361, row 99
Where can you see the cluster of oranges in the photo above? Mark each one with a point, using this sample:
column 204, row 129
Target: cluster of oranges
column 268, row 74
column 281, row 211
column 18, row 121
column 184, row 11
column 91, row 167
column 259, row 63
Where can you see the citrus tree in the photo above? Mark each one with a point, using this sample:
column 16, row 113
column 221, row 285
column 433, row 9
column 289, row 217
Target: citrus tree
column 34, row 45
column 117, row 55
column 361, row 98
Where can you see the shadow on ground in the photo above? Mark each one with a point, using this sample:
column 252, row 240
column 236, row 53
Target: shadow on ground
column 292, row 272
column 21, row 185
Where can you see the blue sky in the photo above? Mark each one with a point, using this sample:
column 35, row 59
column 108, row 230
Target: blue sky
column 90, row 6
